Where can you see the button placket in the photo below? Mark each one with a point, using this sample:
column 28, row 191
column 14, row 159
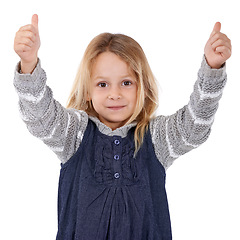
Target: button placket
column 117, row 150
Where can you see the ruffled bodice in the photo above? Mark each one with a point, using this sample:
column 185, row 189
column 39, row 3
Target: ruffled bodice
column 113, row 160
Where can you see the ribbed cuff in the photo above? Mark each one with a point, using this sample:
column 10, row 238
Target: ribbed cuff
column 30, row 82
column 207, row 72
column 211, row 80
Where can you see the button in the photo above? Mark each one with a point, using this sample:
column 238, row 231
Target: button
column 116, row 157
column 117, row 142
column 117, row 175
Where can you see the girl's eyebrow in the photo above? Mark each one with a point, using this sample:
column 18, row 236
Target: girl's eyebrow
column 99, row 77
column 106, row 78
column 127, row 76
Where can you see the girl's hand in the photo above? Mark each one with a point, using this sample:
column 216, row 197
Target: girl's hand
column 26, row 45
column 218, row 48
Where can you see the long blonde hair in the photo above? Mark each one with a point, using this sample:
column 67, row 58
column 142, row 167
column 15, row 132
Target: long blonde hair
column 131, row 52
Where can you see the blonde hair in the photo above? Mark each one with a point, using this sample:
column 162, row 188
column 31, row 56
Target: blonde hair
column 131, row 52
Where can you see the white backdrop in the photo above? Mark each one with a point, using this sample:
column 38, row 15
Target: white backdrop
column 202, row 186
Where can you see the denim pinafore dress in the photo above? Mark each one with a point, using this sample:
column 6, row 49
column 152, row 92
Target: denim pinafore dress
column 107, row 194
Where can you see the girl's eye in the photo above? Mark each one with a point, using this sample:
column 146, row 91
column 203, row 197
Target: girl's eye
column 127, row 83
column 102, row 84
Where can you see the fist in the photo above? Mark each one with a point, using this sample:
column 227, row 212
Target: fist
column 218, row 48
column 27, row 44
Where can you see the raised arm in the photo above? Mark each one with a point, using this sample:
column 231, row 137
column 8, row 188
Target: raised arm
column 190, row 126
column 61, row 129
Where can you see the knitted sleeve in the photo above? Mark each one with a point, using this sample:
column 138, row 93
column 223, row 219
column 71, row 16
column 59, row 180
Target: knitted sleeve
column 190, row 126
column 59, row 128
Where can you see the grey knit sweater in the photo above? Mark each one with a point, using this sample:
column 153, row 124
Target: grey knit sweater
column 62, row 129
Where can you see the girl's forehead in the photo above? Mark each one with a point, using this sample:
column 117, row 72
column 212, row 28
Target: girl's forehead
column 109, row 64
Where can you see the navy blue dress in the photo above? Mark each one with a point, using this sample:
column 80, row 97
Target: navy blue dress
column 107, row 194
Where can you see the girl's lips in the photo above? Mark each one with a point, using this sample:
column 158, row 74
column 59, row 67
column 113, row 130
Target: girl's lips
column 116, row 107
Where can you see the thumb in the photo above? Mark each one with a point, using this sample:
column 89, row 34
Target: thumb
column 217, row 28
column 35, row 21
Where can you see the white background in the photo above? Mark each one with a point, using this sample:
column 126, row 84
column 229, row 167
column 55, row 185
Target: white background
column 202, row 186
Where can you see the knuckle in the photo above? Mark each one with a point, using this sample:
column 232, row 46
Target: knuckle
column 24, row 48
column 31, row 28
column 225, row 36
column 20, row 29
column 221, row 41
column 31, row 35
column 28, row 42
column 218, row 35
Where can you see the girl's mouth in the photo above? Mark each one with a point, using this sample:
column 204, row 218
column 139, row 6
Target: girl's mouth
column 116, row 107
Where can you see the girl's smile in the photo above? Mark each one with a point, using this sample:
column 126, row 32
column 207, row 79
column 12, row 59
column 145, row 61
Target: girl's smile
column 113, row 90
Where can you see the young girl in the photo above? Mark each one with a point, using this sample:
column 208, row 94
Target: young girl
column 114, row 152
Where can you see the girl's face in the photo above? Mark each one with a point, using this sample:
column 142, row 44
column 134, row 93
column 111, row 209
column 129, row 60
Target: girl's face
column 113, row 90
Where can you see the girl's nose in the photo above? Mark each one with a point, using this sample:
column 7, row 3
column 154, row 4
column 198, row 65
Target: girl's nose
column 114, row 94
column 114, row 97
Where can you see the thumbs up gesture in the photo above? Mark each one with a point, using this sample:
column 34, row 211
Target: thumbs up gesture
column 218, row 48
column 26, row 45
